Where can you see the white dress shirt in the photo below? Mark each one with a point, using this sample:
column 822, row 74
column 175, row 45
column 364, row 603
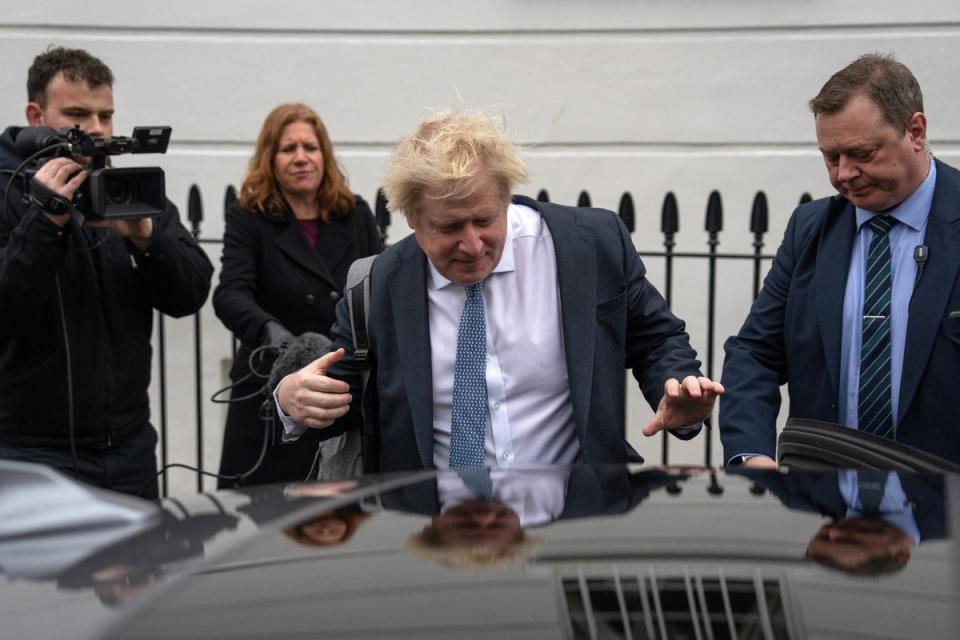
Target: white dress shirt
column 529, row 411
column 536, row 495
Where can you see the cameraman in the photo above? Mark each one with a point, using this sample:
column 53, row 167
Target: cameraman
column 76, row 301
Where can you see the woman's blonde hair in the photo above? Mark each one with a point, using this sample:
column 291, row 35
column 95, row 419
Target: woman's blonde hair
column 447, row 151
column 260, row 191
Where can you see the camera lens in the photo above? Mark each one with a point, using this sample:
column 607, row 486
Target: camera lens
column 121, row 191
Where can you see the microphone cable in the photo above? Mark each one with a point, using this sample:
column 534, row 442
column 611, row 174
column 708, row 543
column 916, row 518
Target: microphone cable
column 254, row 372
column 236, row 477
column 71, row 422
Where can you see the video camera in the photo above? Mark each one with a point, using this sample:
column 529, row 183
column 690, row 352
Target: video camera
column 124, row 193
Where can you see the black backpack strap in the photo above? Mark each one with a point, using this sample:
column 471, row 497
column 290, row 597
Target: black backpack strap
column 357, row 291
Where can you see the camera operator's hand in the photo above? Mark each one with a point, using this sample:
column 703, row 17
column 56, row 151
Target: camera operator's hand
column 63, row 176
column 139, row 232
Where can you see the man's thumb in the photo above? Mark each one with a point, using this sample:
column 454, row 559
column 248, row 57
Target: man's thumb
column 322, row 364
column 654, row 426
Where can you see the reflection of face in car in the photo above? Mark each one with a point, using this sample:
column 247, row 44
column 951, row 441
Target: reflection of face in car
column 478, row 522
column 476, row 533
column 328, row 529
column 861, row 546
column 325, row 530
column 118, row 584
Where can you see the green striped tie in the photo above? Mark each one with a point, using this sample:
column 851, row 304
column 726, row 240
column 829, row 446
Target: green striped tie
column 875, row 398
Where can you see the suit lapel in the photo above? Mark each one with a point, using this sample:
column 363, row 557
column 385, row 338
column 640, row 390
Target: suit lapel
column 408, row 298
column 577, row 276
column 833, row 264
column 293, row 243
column 928, row 305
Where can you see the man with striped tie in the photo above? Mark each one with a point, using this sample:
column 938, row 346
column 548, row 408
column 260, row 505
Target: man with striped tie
column 860, row 313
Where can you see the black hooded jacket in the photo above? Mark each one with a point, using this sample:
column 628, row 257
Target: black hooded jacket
column 9, row 159
column 88, row 294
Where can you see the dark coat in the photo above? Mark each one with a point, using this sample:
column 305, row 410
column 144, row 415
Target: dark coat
column 611, row 317
column 270, row 272
column 793, row 332
column 109, row 292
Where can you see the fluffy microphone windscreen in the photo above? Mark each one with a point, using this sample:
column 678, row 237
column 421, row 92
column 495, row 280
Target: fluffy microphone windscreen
column 301, row 351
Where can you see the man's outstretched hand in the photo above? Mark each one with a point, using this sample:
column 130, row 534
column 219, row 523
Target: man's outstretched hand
column 684, row 404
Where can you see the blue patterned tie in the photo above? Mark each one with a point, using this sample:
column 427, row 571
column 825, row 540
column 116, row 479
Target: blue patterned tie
column 469, row 414
column 875, row 408
column 478, row 481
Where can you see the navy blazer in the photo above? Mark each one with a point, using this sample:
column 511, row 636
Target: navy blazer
column 612, row 317
column 793, row 332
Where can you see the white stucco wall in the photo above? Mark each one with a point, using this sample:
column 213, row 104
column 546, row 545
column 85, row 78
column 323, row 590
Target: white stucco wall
column 681, row 95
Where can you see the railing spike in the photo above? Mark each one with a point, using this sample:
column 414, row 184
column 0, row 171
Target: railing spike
column 382, row 215
column 759, row 216
column 229, row 196
column 626, row 211
column 714, row 219
column 194, row 209
column 669, row 215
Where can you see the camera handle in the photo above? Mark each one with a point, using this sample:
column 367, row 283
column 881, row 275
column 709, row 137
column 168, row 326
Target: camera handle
column 52, row 202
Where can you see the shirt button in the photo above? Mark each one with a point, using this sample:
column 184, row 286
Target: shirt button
column 496, row 406
column 310, row 298
column 505, row 456
column 334, row 295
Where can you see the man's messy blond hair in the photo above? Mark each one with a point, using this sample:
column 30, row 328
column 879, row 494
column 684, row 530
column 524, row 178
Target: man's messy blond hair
column 444, row 154
column 428, row 546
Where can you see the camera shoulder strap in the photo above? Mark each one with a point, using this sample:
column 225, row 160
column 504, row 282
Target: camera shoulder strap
column 357, row 291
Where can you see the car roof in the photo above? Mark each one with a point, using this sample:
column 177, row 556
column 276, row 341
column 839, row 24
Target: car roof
column 599, row 551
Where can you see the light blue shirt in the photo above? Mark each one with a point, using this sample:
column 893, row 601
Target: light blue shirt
column 894, row 505
column 905, row 236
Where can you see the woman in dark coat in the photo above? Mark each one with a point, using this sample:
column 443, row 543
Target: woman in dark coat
column 288, row 244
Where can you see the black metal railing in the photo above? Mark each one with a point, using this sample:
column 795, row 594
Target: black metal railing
column 669, row 227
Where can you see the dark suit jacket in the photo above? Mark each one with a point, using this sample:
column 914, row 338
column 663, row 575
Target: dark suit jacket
column 611, row 317
column 270, row 272
column 793, row 332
